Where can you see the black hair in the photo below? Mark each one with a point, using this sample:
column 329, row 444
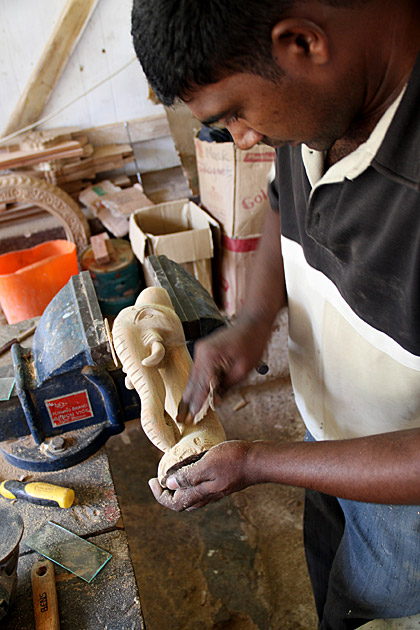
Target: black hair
column 182, row 44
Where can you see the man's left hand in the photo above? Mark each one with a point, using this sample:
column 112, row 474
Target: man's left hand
column 221, row 471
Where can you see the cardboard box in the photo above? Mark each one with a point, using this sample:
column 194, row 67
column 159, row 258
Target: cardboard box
column 235, row 267
column 233, row 185
column 178, row 229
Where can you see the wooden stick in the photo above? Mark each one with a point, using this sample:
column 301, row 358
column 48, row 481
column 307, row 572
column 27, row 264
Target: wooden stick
column 44, row 596
column 61, row 44
column 5, row 347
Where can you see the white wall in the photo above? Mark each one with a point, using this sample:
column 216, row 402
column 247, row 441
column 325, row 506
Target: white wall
column 105, row 46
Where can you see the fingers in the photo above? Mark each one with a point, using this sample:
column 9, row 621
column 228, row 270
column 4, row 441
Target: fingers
column 219, row 472
column 190, row 487
column 198, row 388
column 183, row 415
column 181, row 499
column 206, row 382
column 192, row 475
column 221, row 360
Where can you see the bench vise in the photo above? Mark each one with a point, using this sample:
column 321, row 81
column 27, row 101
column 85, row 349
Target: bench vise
column 69, row 394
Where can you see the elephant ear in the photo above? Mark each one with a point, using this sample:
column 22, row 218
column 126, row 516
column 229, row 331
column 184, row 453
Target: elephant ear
column 156, row 355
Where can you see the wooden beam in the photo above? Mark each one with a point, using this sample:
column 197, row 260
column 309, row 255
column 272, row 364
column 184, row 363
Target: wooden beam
column 62, row 42
column 183, row 126
column 139, row 130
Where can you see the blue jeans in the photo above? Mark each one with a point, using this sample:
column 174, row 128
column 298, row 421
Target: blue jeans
column 363, row 560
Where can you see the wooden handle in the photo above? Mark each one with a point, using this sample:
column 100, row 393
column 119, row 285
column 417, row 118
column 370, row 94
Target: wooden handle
column 44, row 596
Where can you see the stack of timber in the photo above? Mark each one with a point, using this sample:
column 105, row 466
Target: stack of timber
column 77, row 160
column 64, row 157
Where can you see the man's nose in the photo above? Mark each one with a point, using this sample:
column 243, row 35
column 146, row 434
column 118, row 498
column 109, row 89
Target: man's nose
column 244, row 137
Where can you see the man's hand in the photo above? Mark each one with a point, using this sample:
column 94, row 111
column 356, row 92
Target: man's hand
column 225, row 357
column 221, row 360
column 221, row 471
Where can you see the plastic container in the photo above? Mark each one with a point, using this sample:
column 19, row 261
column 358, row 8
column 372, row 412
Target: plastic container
column 29, row 278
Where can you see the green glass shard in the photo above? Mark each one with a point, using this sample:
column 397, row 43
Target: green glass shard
column 68, row 550
column 6, row 387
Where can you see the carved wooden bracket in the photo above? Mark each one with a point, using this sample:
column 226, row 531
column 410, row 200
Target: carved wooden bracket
column 22, row 188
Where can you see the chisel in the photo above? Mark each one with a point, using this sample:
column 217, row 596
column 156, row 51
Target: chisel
column 39, row 492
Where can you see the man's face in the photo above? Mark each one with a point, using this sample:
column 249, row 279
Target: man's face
column 255, row 109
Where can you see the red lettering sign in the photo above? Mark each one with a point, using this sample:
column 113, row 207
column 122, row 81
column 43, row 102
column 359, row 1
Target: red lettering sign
column 260, row 157
column 70, row 408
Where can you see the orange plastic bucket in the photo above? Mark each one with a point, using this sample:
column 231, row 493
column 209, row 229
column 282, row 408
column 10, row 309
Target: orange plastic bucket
column 29, row 278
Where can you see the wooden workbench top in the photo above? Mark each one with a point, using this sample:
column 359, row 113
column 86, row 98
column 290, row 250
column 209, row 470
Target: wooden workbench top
column 111, row 600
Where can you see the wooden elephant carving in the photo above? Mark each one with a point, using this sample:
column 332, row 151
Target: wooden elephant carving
column 150, row 343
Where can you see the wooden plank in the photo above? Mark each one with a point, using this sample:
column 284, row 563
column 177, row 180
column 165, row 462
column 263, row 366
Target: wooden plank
column 107, row 152
column 17, row 159
column 165, row 185
column 139, row 130
column 183, row 127
column 47, row 137
column 17, row 214
column 62, row 42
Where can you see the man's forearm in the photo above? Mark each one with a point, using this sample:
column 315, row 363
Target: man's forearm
column 266, row 293
column 381, row 468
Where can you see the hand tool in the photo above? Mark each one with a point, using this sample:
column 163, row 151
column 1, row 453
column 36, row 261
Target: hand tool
column 5, row 347
column 44, row 596
column 39, row 492
column 69, row 396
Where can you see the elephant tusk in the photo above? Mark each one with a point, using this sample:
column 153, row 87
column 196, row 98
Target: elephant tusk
column 156, row 355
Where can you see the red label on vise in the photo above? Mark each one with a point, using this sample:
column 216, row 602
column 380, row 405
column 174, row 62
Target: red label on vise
column 71, row 408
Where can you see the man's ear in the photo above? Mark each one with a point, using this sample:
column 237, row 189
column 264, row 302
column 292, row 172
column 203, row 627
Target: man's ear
column 296, row 41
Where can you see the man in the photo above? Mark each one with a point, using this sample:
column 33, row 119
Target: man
column 335, row 87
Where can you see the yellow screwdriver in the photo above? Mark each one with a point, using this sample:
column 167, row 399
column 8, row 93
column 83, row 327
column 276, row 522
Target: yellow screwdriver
column 39, row 492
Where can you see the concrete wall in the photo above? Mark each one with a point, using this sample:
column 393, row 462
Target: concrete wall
column 104, row 47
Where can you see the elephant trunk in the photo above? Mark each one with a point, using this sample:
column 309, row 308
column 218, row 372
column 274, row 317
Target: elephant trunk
column 157, row 424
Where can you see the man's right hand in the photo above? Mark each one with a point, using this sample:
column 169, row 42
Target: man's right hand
column 226, row 356
column 221, row 360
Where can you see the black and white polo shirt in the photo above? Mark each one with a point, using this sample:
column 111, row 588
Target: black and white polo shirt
column 351, row 249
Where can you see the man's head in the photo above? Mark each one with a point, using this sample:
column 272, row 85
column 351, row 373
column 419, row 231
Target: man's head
column 274, row 71
column 182, row 44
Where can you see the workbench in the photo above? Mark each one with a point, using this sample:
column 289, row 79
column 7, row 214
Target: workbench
column 111, row 600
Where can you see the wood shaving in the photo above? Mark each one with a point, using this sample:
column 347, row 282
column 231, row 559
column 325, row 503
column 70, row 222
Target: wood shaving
column 208, row 404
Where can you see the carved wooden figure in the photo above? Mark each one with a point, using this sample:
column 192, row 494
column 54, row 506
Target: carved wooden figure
column 150, row 343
